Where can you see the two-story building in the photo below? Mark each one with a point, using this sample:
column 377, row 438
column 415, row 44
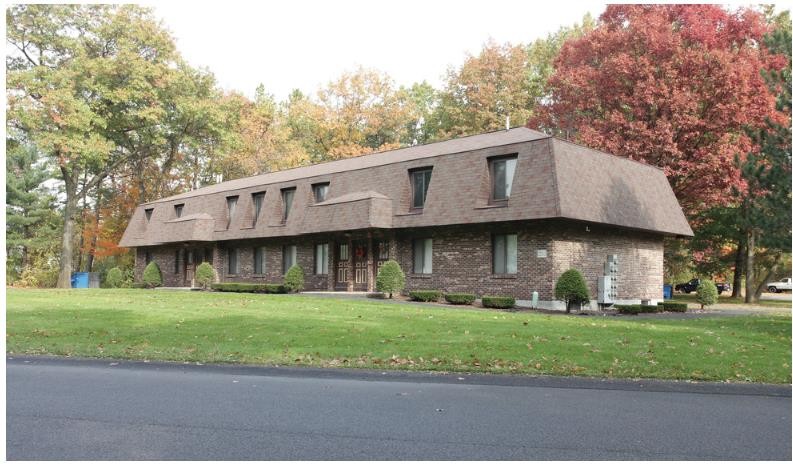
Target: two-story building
column 501, row 213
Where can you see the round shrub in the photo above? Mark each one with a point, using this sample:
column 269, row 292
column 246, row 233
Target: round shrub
column 204, row 275
column 499, row 302
column 114, row 278
column 390, row 278
column 707, row 294
column 460, row 298
column 674, row 306
column 152, row 277
column 294, row 279
column 571, row 288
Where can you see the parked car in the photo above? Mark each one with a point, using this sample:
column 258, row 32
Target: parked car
column 783, row 285
column 693, row 284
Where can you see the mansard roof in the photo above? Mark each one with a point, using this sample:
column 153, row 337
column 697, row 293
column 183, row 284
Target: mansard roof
column 553, row 179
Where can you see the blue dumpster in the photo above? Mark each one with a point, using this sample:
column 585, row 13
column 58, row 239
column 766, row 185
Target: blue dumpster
column 667, row 292
column 80, row 279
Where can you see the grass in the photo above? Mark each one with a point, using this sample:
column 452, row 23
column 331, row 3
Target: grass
column 725, row 298
column 315, row 331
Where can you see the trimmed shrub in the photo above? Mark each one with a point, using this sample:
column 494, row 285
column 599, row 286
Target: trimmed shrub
column 114, row 278
column 139, row 285
column 707, row 294
column 243, row 287
column 294, row 280
column 425, row 295
column 460, row 298
column 651, row 308
column 500, row 302
column 571, row 288
column 628, row 309
column 376, row 295
column 204, row 275
column 390, row 278
column 152, row 277
column 675, row 306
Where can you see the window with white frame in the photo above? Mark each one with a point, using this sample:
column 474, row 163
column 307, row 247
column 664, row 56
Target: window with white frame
column 321, row 258
column 422, row 256
column 505, row 254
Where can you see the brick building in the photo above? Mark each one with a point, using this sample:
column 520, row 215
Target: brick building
column 500, row 213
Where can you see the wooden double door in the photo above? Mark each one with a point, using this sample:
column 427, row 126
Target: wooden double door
column 191, row 258
column 354, row 263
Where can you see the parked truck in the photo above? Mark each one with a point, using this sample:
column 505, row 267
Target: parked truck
column 692, row 285
column 783, row 285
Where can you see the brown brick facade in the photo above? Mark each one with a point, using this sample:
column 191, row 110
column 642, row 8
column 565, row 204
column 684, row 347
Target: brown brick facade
column 462, row 259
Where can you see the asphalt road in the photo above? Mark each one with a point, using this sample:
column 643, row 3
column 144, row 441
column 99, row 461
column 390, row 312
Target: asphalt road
column 71, row 409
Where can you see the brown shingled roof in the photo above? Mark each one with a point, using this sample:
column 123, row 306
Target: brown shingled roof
column 553, row 179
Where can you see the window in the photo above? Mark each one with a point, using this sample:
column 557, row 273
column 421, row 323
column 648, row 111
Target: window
column 321, row 192
column 290, row 257
column 287, row 195
column 502, row 171
column 148, row 257
column 321, row 259
column 505, row 254
column 176, row 262
column 344, row 252
column 258, row 201
column 382, row 251
column 148, row 214
column 233, row 261
column 419, row 184
column 207, row 258
column 231, row 205
column 258, row 260
column 422, row 256
column 177, row 209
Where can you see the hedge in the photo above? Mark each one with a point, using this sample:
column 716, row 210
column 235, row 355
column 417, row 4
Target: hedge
column 249, row 288
column 674, row 306
column 294, row 280
column 460, row 298
column 628, row 309
column 204, row 275
column 425, row 295
column 152, row 276
column 500, row 302
column 114, row 278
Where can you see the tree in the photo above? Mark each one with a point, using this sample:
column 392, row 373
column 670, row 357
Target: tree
column 571, row 288
column 390, row 278
column 205, row 275
column 83, row 80
column 294, row 279
column 502, row 80
column 114, row 278
column 707, row 293
column 671, row 85
column 152, row 277
column 31, row 217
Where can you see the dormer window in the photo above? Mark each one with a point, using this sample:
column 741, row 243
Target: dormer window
column 177, row 209
column 149, row 211
column 287, row 195
column 502, row 172
column 321, row 192
column 258, row 201
column 231, row 206
column 419, row 184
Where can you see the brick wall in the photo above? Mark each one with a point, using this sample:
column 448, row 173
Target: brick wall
column 462, row 259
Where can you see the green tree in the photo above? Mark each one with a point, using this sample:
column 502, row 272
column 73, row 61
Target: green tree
column 204, row 275
column 152, row 277
column 31, row 218
column 707, row 293
column 571, row 288
column 114, row 278
column 390, row 278
column 81, row 81
column 294, row 279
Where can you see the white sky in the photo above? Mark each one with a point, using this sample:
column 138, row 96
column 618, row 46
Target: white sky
column 304, row 44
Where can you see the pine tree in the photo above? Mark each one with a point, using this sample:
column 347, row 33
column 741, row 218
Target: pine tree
column 31, row 218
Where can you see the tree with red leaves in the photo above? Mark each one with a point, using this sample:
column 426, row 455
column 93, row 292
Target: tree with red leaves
column 674, row 86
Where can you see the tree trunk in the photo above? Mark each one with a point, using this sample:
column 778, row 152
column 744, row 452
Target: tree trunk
column 82, row 225
column 67, row 248
column 737, row 279
column 771, row 271
column 749, row 266
column 89, row 263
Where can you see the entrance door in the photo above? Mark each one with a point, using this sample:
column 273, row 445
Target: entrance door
column 189, row 268
column 342, row 263
column 359, row 260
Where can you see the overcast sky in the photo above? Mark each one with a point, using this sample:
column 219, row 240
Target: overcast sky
column 304, row 44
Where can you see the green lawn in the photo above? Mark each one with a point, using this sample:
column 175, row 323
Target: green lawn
column 725, row 298
column 303, row 330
